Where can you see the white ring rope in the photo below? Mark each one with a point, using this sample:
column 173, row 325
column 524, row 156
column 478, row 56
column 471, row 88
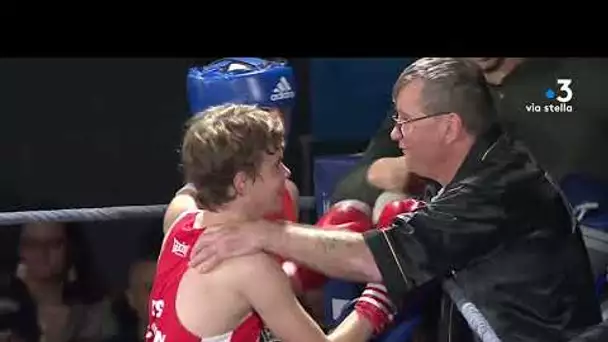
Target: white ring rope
column 101, row 214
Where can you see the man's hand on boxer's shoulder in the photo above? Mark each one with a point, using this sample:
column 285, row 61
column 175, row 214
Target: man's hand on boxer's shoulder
column 228, row 240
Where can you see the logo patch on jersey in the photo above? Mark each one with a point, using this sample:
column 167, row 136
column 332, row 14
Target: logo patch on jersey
column 179, row 248
column 267, row 336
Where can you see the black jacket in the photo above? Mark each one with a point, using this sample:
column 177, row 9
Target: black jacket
column 503, row 231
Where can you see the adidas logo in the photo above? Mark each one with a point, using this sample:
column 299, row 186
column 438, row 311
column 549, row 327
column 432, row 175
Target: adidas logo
column 282, row 91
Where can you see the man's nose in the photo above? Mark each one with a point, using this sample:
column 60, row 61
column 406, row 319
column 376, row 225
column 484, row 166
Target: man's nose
column 396, row 134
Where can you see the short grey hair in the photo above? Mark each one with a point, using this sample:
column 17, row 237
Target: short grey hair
column 452, row 85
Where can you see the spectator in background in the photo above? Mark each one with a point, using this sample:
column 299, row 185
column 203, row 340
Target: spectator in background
column 56, row 267
column 18, row 321
column 131, row 307
column 563, row 142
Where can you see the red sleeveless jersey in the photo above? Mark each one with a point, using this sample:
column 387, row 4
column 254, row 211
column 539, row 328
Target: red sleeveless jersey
column 163, row 324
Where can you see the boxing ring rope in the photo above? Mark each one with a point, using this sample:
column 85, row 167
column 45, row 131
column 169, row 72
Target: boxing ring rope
column 469, row 311
column 474, row 318
column 101, row 214
column 82, row 214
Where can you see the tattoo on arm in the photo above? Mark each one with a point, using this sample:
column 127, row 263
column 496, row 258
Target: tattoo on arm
column 335, row 253
column 330, row 244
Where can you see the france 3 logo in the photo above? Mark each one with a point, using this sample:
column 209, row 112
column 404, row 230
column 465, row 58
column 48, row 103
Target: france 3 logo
column 559, row 99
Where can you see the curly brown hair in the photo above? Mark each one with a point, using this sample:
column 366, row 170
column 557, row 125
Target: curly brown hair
column 224, row 140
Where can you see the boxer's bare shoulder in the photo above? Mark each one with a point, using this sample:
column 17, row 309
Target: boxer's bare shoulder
column 220, row 289
column 250, row 270
column 177, row 209
column 182, row 202
column 253, row 282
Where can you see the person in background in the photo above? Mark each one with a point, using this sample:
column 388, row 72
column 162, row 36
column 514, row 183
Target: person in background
column 56, row 267
column 18, row 319
column 131, row 306
column 564, row 135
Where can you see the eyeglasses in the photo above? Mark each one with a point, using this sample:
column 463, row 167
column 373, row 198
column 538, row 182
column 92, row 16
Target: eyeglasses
column 401, row 122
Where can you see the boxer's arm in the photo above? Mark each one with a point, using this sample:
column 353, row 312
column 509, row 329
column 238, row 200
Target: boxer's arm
column 182, row 202
column 269, row 292
column 389, row 174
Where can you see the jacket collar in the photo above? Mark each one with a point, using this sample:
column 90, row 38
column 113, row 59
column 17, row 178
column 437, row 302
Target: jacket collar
column 476, row 156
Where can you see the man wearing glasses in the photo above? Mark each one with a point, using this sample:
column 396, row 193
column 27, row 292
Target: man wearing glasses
column 564, row 143
column 498, row 227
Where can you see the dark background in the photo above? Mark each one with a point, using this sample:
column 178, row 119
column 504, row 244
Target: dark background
column 97, row 132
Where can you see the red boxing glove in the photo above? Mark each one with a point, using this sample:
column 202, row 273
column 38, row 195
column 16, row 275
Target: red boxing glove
column 351, row 215
column 394, row 208
column 375, row 306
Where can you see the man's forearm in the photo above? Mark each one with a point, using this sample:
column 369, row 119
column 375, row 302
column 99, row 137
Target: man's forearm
column 338, row 254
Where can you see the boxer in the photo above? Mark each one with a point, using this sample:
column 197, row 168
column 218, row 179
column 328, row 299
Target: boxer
column 270, row 85
column 253, row 81
column 235, row 153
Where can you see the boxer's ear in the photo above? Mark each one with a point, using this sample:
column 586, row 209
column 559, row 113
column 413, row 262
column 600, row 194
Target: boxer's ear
column 240, row 183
